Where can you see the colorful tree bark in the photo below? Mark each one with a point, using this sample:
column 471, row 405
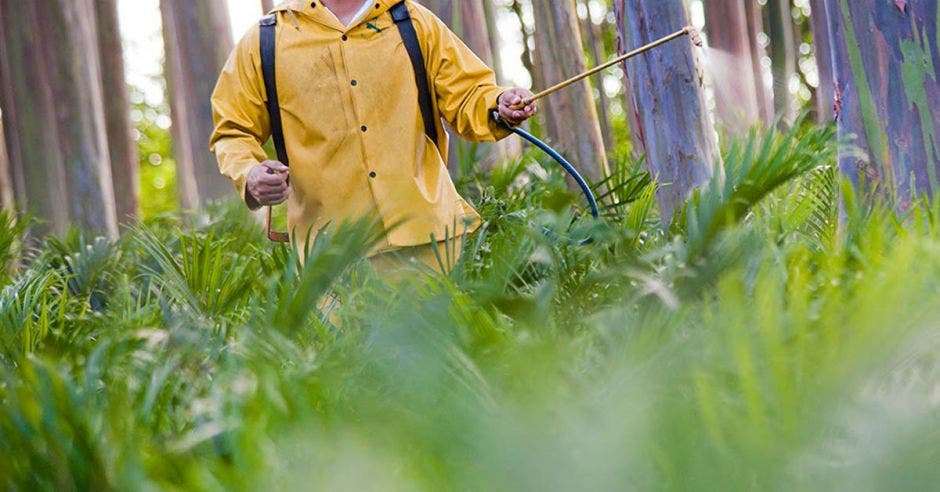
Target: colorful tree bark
column 51, row 89
column 574, row 125
column 198, row 39
column 125, row 174
column 629, row 103
column 886, row 63
column 681, row 150
column 735, row 88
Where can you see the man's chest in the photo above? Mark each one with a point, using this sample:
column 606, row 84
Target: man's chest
column 328, row 70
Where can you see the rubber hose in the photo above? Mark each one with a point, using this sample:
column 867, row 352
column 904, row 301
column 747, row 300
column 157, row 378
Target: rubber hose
column 564, row 163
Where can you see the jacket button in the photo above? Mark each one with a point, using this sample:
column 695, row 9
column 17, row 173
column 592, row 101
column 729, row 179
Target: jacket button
column 372, row 174
column 354, row 83
column 364, row 128
column 345, row 37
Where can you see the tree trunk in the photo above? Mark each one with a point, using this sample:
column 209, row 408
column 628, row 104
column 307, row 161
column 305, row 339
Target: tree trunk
column 6, row 179
column 629, row 102
column 529, row 59
column 575, row 126
column 667, row 90
column 57, row 134
column 886, row 63
column 267, row 6
column 734, row 84
column 825, row 93
column 595, row 46
column 467, row 21
column 122, row 148
column 198, row 39
column 783, row 56
column 755, row 27
column 492, row 30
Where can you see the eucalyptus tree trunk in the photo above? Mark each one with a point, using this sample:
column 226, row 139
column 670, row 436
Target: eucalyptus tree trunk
column 198, row 39
column 629, row 102
column 467, row 18
column 51, row 83
column 667, row 89
column 733, row 76
column 267, row 5
column 528, row 57
column 491, row 14
column 825, row 93
column 783, row 56
column 575, row 126
column 125, row 173
column 595, row 47
column 755, row 27
column 886, row 63
column 6, row 179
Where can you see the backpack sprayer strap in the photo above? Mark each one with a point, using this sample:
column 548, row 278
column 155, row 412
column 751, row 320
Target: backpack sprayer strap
column 268, row 66
column 406, row 27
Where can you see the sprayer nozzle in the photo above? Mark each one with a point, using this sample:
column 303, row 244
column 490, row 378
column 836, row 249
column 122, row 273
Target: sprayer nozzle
column 694, row 36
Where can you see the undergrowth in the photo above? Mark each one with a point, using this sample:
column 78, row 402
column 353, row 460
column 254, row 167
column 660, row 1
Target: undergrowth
column 779, row 333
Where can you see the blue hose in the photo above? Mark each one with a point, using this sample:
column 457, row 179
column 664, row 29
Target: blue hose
column 564, row 163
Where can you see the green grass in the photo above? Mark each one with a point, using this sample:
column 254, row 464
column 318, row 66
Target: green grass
column 779, row 334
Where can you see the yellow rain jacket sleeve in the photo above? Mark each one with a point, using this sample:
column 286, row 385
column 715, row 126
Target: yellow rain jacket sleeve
column 353, row 129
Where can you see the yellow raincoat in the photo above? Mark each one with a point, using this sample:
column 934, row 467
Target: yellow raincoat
column 352, row 124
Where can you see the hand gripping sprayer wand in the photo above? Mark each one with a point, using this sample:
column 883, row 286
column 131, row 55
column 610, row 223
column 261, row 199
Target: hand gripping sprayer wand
column 582, row 183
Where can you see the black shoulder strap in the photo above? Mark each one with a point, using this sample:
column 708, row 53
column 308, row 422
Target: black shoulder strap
column 407, row 29
column 268, row 44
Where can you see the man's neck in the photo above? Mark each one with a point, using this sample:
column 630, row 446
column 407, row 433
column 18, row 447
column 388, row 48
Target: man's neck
column 344, row 10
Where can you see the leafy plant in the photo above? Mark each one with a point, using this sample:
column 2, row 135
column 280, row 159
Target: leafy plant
column 779, row 334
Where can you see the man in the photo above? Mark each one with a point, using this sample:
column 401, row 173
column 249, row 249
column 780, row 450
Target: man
column 353, row 127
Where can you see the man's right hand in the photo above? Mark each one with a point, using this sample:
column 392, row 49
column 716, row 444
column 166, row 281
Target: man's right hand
column 268, row 183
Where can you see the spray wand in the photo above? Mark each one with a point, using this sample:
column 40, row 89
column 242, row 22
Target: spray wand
column 686, row 31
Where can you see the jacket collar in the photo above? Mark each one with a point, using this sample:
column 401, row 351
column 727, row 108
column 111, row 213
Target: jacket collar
column 304, row 7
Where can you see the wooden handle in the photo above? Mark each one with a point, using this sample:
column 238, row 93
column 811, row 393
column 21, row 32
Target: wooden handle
column 686, row 31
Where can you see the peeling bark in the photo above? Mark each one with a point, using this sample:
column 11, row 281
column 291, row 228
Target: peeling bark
column 886, row 63
column 667, row 89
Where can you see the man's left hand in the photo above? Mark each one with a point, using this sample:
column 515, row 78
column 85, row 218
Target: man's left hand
column 511, row 109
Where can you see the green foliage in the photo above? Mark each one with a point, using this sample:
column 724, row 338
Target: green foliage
column 155, row 150
column 779, row 334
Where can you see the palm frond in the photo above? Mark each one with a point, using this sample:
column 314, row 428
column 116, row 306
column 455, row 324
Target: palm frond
column 752, row 170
